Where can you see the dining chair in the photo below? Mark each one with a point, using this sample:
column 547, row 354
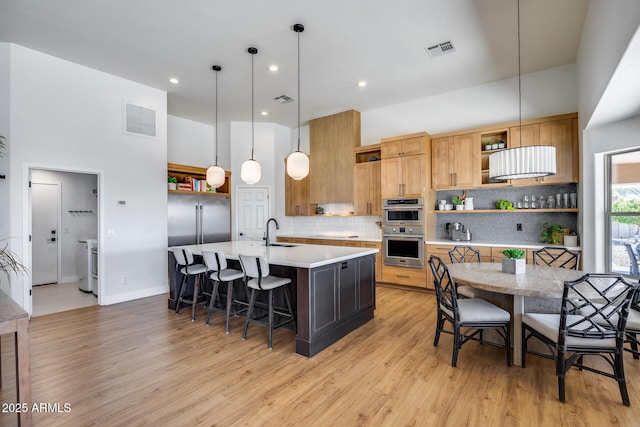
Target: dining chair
column 468, row 316
column 256, row 271
column 186, row 265
column 216, row 263
column 556, row 257
column 633, row 260
column 465, row 254
column 592, row 322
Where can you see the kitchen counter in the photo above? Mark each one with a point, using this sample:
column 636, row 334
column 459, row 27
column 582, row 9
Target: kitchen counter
column 334, row 236
column 332, row 287
column 496, row 244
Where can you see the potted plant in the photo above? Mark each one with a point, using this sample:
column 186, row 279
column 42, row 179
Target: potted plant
column 514, row 263
column 9, row 262
column 172, row 182
column 505, row 204
column 552, row 233
column 459, row 200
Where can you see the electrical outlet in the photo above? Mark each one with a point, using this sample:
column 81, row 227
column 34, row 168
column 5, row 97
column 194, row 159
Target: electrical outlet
column 518, row 227
column 125, row 281
column 111, row 233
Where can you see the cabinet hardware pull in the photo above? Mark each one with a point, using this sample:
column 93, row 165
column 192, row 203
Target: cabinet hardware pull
column 404, row 277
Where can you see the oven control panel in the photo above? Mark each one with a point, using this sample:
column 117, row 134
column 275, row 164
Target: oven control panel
column 401, row 230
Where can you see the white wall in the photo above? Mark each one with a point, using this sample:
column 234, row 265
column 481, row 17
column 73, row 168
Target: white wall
column 606, row 33
column 5, row 202
column 192, row 143
column 68, row 117
column 544, row 93
column 77, row 195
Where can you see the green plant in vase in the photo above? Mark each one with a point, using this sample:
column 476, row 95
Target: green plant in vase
column 514, row 253
column 552, row 233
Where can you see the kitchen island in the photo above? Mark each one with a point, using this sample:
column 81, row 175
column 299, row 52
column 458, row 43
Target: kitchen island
column 333, row 287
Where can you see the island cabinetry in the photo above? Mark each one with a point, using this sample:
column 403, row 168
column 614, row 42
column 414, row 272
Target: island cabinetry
column 296, row 194
column 404, row 173
column 378, row 246
column 455, row 162
column 332, row 301
column 366, row 181
column 561, row 134
column 332, row 140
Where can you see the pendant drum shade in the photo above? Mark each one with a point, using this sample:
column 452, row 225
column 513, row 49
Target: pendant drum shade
column 215, row 176
column 250, row 172
column 522, row 162
column 297, row 165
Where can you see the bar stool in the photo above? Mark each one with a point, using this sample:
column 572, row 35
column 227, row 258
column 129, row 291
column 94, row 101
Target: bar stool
column 186, row 266
column 256, row 270
column 216, row 263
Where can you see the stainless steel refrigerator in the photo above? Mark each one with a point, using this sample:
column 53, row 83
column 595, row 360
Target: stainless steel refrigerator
column 195, row 219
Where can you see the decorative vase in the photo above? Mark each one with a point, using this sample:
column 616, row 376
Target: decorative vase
column 459, row 207
column 571, row 241
column 468, row 204
column 514, row 266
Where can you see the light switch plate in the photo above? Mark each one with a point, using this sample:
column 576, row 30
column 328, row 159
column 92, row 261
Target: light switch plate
column 111, row 233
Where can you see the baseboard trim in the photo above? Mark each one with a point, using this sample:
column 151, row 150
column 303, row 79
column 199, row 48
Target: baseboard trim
column 130, row 296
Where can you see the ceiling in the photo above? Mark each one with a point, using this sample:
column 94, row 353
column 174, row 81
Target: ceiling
column 345, row 41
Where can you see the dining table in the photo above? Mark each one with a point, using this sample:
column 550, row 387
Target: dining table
column 536, row 282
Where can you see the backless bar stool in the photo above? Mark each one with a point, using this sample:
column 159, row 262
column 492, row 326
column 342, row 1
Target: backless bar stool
column 185, row 262
column 256, row 270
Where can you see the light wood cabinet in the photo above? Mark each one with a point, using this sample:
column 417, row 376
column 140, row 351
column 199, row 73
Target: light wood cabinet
column 415, row 277
column 332, row 140
column 455, row 162
column 367, row 199
column 404, row 166
column 558, row 133
column 296, row 195
column 493, row 137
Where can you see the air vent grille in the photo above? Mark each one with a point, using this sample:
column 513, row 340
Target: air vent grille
column 283, row 99
column 140, row 120
column 440, row 49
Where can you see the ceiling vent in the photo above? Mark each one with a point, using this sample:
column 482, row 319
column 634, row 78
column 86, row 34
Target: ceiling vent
column 283, row 99
column 440, row 49
column 139, row 120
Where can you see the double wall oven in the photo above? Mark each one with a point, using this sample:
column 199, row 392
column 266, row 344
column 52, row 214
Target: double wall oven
column 403, row 232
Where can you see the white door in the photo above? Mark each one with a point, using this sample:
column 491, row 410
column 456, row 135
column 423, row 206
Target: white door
column 253, row 212
column 45, row 206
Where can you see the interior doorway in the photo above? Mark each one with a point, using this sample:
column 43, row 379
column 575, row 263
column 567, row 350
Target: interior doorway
column 64, row 218
column 252, row 212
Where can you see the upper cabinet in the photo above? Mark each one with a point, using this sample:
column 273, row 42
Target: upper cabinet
column 455, row 162
column 366, row 181
column 561, row 134
column 332, row 140
column 404, row 166
column 460, row 159
column 296, row 194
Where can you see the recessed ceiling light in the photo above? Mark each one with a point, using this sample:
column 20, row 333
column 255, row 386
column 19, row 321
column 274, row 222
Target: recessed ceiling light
column 273, row 67
column 264, row 113
column 362, row 83
column 174, row 80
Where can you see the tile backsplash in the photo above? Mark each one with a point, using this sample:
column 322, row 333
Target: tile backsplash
column 337, row 225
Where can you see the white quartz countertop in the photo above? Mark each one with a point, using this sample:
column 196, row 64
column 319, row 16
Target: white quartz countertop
column 496, row 244
column 334, row 236
column 304, row 256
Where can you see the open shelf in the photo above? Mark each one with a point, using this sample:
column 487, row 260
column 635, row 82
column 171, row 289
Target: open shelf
column 184, row 173
column 494, row 211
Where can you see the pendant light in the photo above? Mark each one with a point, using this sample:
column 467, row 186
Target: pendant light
column 215, row 174
column 298, row 162
column 532, row 161
column 251, row 170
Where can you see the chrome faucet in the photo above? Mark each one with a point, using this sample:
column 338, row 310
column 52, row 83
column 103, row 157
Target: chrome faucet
column 267, row 227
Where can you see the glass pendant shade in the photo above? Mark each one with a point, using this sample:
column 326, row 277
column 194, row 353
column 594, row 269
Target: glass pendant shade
column 250, row 172
column 215, row 176
column 522, row 162
column 297, row 165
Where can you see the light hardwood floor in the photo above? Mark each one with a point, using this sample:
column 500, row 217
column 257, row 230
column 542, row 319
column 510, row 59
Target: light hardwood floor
column 138, row 363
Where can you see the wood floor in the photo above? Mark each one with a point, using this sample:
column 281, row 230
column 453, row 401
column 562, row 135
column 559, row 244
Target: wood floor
column 138, row 364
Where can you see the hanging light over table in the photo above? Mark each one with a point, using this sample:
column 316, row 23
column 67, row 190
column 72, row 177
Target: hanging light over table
column 298, row 162
column 215, row 174
column 522, row 162
column 251, row 170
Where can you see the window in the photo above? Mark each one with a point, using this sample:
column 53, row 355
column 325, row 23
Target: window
column 623, row 213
